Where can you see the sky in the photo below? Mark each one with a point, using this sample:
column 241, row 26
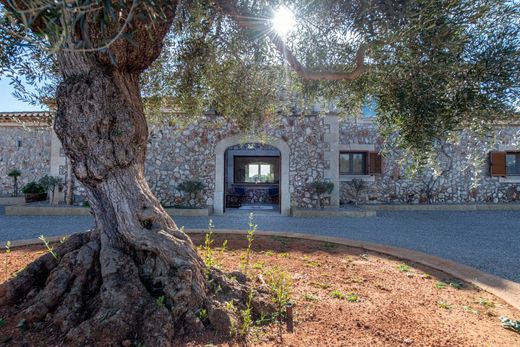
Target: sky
column 8, row 103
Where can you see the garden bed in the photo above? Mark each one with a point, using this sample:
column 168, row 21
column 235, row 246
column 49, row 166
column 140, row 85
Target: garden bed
column 343, row 296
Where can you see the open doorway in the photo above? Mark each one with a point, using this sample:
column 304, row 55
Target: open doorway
column 252, row 178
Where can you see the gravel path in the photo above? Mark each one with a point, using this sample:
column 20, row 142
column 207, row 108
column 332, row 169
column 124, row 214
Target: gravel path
column 489, row 241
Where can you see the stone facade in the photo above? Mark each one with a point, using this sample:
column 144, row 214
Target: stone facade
column 179, row 154
column 26, row 149
column 312, row 145
column 460, row 174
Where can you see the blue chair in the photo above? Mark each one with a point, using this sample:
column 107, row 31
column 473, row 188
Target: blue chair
column 274, row 195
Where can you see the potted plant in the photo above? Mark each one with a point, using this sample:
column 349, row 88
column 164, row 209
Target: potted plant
column 321, row 188
column 34, row 191
column 15, row 173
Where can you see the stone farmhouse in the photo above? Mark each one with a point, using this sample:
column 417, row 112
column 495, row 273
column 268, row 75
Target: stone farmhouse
column 275, row 172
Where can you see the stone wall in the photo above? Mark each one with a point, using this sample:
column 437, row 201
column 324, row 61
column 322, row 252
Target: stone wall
column 26, row 149
column 459, row 175
column 177, row 154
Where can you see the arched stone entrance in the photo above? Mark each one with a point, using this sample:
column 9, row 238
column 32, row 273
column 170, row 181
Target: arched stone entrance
column 220, row 150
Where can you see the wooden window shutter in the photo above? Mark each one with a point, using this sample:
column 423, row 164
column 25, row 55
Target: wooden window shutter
column 497, row 163
column 375, row 166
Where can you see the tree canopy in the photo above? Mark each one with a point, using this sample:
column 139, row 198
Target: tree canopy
column 431, row 67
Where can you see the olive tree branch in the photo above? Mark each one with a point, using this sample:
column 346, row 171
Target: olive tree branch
column 229, row 8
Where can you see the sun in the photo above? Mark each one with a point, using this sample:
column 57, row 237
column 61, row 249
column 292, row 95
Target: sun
column 283, row 21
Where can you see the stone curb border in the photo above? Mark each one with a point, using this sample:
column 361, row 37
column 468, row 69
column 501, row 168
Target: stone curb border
column 22, row 210
column 322, row 213
column 507, row 290
column 442, row 207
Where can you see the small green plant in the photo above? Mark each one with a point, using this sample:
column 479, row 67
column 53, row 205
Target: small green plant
column 487, row 303
column 258, row 266
column 404, row 268
column 352, row 297
column 246, row 317
column 471, row 309
column 202, row 314
column 283, row 254
column 312, row 263
column 310, row 297
column 280, row 284
column 3, row 322
column 50, row 249
column 426, row 276
column 320, row 285
column 337, row 294
column 7, row 255
column 230, row 305
column 357, row 279
column 209, row 260
column 160, row 301
column 246, row 257
column 440, row 285
column 263, row 319
column 445, row 305
column 456, row 284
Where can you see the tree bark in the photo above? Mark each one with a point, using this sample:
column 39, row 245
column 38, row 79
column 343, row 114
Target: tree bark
column 135, row 276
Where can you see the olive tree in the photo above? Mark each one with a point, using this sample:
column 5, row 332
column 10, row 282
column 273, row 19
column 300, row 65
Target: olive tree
column 431, row 67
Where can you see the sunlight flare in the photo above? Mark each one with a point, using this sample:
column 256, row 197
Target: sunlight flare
column 283, row 21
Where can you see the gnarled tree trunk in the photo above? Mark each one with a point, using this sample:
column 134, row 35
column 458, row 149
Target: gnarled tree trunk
column 104, row 286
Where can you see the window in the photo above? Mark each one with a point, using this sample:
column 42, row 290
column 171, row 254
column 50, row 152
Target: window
column 256, row 169
column 513, row 163
column 353, row 163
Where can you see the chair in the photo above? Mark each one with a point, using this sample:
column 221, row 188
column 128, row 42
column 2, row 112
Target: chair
column 235, row 197
column 274, row 195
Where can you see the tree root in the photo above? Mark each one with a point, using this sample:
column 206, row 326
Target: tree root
column 100, row 295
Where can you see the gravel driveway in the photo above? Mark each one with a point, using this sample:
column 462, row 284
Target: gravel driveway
column 487, row 240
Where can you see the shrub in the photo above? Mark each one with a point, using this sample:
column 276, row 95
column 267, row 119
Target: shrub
column 357, row 185
column 321, row 188
column 34, row 188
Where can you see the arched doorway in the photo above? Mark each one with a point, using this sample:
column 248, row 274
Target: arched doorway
column 251, row 175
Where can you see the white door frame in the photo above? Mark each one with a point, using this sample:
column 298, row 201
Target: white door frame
column 220, row 150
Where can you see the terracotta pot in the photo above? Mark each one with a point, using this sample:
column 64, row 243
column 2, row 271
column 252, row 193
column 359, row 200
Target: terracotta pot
column 32, row 197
